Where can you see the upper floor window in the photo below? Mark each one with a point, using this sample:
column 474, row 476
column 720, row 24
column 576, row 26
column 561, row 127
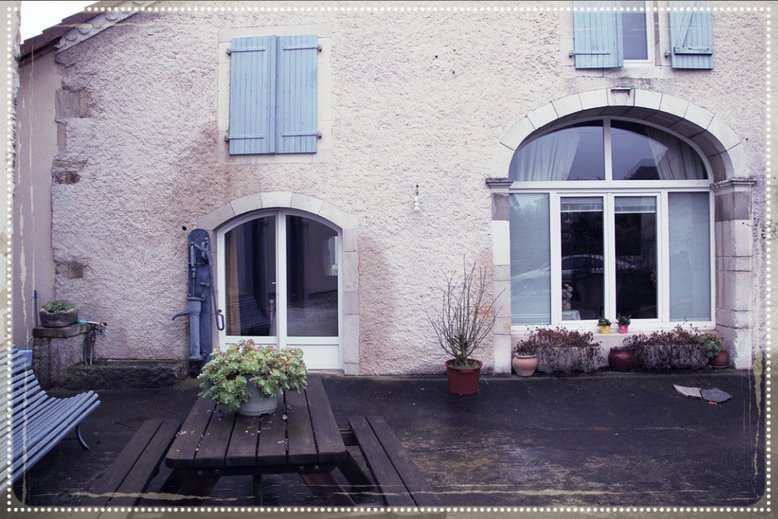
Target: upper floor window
column 273, row 95
column 608, row 34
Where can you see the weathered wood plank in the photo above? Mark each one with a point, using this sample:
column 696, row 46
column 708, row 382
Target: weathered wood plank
column 213, row 446
column 182, row 452
column 328, row 437
column 272, row 438
column 242, row 450
column 302, row 444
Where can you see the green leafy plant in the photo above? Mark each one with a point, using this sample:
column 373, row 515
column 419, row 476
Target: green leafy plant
column 712, row 344
column 623, row 320
column 565, row 350
column 58, row 305
column 227, row 376
column 466, row 318
column 602, row 321
column 679, row 348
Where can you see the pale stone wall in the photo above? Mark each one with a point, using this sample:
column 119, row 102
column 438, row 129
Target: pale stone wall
column 414, row 98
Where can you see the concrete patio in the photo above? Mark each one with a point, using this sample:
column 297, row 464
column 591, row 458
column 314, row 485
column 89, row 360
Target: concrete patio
column 597, row 440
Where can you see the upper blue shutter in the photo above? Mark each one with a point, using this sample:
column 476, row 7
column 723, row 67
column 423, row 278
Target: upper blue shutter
column 252, row 95
column 691, row 36
column 296, row 111
column 597, row 33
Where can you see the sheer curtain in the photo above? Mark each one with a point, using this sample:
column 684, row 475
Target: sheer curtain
column 547, row 158
column 689, row 256
column 674, row 159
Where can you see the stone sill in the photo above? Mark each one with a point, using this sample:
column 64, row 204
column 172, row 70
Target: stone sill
column 60, row 333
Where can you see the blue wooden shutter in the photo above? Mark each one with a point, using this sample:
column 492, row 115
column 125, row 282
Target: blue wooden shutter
column 598, row 39
column 691, row 36
column 296, row 111
column 252, row 95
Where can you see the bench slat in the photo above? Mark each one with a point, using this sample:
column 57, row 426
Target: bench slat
column 390, row 484
column 31, row 432
column 185, row 445
column 298, row 425
column 213, row 447
column 412, row 477
column 330, row 448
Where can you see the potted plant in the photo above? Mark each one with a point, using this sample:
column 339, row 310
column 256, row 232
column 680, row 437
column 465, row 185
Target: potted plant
column 464, row 322
column 621, row 358
column 58, row 314
column 566, row 350
column 624, row 322
column 679, row 348
column 525, row 358
column 247, row 379
column 718, row 356
column 604, row 325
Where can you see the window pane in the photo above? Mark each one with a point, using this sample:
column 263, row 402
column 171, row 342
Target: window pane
column 311, row 279
column 645, row 153
column 250, row 253
column 582, row 258
column 633, row 25
column 689, row 256
column 573, row 153
column 530, row 259
column 636, row 260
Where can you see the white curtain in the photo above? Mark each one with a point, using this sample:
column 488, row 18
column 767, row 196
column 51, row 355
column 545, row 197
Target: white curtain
column 547, row 158
column 675, row 160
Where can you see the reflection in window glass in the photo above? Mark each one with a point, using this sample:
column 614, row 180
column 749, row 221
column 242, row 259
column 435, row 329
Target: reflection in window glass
column 644, row 153
column 636, row 275
column 573, row 153
column 582, row 258
column 530, row 259
column 689, row 256
column 250, row 253
column 312, row 291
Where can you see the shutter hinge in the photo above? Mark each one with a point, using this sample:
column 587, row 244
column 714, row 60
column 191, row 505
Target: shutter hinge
column 693, row 50
column 227, row 136
column 318, row 48
column 229, row 51
column 589, row 53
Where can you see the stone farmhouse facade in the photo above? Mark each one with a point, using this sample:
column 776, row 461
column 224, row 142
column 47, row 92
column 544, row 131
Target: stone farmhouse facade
column 343, row 157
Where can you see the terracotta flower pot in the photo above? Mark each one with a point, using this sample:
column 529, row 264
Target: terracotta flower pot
column 621, row 359
column 720, row 361
column 463, row 381
column 525, row 365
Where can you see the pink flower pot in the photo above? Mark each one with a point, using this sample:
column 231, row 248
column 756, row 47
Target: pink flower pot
column 623, row 328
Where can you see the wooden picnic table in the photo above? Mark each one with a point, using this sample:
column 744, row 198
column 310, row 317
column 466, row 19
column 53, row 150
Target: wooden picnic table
column 300, row 437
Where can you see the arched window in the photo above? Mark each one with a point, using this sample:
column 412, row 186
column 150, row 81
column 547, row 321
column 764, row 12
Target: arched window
column 610, row 217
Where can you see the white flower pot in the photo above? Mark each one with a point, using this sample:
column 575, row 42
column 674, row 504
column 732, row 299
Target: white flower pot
column 258, row 404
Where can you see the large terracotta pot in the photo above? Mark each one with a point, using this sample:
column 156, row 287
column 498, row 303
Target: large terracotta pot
column 463, row 381
column 525, row 365
column 720, row 361
column 621, row 359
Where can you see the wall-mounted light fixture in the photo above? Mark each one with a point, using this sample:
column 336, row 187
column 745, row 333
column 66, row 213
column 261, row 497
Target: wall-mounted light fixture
column 416, row 199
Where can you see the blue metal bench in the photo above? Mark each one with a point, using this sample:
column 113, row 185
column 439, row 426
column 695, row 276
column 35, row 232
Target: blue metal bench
column 40, row 421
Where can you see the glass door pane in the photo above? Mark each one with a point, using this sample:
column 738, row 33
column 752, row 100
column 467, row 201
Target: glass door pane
column 312, row 278
column 636, row 256
column 583, row 279
column 530, row 259
column 250, row 257
column 690, row 291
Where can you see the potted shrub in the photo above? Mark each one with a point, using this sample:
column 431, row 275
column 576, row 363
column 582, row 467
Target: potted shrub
column 718, row 356
column 624, row 322
column 679, row 348
column 566, row 350
column 58, row 314
column 247, row 379
column 525, row 359
column 604, row 325
column 465, row 320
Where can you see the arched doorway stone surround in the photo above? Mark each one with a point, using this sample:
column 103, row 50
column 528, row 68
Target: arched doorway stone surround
column 733, row 198
column 348, row 225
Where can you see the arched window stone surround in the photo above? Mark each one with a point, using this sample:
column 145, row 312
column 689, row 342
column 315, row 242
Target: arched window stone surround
column 732, row 187
column 348, row 225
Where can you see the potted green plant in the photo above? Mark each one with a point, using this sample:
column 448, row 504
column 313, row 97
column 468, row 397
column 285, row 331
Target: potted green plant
column 464, row 322
column 604, row 325
column 58, row 314
column 718, row 356
column 525, row 358
column 247, row 379
column 679, row 348
column 566, row 350
column 624, row 322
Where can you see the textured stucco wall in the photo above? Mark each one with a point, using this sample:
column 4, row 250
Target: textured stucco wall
column 416, row 98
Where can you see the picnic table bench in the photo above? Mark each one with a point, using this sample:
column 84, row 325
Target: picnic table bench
column 399, row 480
column 40, row 421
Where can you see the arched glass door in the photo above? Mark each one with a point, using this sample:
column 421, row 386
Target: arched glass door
column 279, row 284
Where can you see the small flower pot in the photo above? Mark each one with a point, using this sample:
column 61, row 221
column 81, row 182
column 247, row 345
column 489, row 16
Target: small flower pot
column 623, row 328
column 621, row 359
column 525, row 365
column 720, row 361
column 605, row 330
column 463, row 381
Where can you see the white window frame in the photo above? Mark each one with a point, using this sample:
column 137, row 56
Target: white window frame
column 609, row 189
